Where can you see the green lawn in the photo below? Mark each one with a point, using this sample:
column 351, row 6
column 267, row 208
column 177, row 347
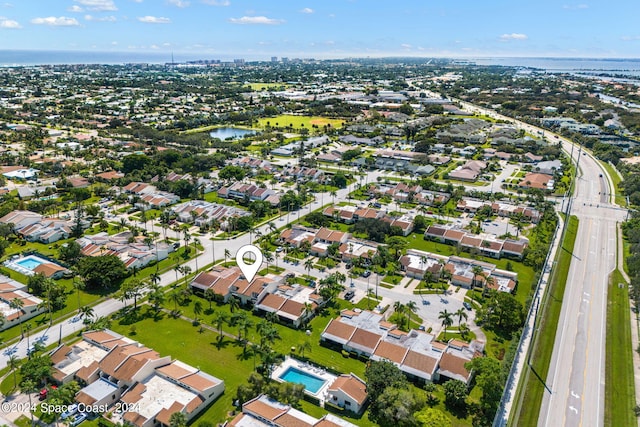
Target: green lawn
column 526, row 275
column 619, row 383
column 266, row 86
column 182, row 340
column 299, row 122
column 531, row 389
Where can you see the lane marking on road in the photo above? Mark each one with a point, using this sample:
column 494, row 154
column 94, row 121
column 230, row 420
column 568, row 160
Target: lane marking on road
column 571, row 408
column 586, row 294
column 574, row 394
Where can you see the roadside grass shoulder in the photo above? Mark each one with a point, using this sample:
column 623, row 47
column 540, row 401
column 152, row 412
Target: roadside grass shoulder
column 531, row 388
column 619, row 378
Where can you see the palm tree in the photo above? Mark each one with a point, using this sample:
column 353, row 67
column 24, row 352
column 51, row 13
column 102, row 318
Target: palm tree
column 307, row 310
column 28, row 387
column 447, row 320
column 154, row 278
column 197, row 309
column 78, row 285
column 12, row 362
column 410, row 307
column 186, row 270
column 233, row 303
column 462, row 314
column 304, row 346
column 333, row 194
column 196, row 242
column 176, row 297
column 268, row 257
column 86, row 312
column 17, row 304
column 209, row 295
column 219, row 320
column 227, row 254
column 308, row 265
column 399, row 309
column 477, row 271
column 464, row 330
column 156, row 297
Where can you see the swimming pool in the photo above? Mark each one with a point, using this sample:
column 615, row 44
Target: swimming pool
column 310, row 382
column 30, row 262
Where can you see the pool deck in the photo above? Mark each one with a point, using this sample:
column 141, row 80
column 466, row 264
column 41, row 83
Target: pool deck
column 12, row 263
column 290, row 362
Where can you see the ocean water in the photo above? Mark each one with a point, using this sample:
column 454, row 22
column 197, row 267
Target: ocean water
column 626, row 66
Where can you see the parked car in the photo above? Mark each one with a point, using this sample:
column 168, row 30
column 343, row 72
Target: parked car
column 72, row 409
column 279, row 249
column 466, row 305
column 290, row 275
column 77, row 419
column 366, row 273
column 348, row 295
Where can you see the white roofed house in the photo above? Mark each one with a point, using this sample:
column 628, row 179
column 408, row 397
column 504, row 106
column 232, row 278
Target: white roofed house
column 174, row 387
column 21, row 219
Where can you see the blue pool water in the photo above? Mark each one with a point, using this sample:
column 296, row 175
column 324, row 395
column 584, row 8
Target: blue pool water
column 29, row 263
column 310, row 382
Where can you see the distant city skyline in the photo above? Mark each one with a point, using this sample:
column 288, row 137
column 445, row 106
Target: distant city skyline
column 325, row 29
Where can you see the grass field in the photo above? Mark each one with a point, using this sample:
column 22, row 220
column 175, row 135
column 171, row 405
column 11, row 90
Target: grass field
column 227, row 360
column 619, row 384
column 615, row 179
column 299, row 122
column 266, row 86
column 531, row 389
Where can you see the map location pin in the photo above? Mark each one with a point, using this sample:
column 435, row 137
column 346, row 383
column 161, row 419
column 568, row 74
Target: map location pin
column 249, row 270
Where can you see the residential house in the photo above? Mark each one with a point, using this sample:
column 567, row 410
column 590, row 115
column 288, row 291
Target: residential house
column 348, row 392
column 470, row 171
column 265, row 412
column 11, row 290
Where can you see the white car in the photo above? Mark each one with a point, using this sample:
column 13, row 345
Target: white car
column 72, row 409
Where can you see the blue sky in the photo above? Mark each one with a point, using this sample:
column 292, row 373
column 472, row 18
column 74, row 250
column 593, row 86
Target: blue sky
column 259, row 29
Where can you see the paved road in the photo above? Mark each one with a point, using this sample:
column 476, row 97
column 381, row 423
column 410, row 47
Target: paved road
column 72, row 326
column 577, row 370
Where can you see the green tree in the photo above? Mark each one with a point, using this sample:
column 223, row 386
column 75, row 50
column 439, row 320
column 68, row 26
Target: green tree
column 397, row 406
column 102, row 271
column 178, row 419
column 447, row 320
column 432, row 417
column 382, row 374
column 455, row 394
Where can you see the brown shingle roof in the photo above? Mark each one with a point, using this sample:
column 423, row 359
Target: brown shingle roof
column 420, row 362
column 454, row 364
column 340, row 330
column 390, row 351
column 364, row 340
column 351, row 386
column 262, row 409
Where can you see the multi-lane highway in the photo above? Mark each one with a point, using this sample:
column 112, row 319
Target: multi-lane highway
column 576, row 374
column 577, row 371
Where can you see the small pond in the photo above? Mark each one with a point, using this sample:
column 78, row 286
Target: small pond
column 230, row 132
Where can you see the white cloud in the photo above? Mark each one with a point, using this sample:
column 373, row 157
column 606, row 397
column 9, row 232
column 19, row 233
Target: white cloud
column 75, row 9
column 179, row 3
column 629, row 38
column 256, row 20
column 9, row 23
column 217, row 2
column 513, row 36
column 61, row 21
column 575, row 6
column 307, row 10
column 98, row 5
column 7, row 5
column 154, row 20
column 405, row 46
column 110, row 18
